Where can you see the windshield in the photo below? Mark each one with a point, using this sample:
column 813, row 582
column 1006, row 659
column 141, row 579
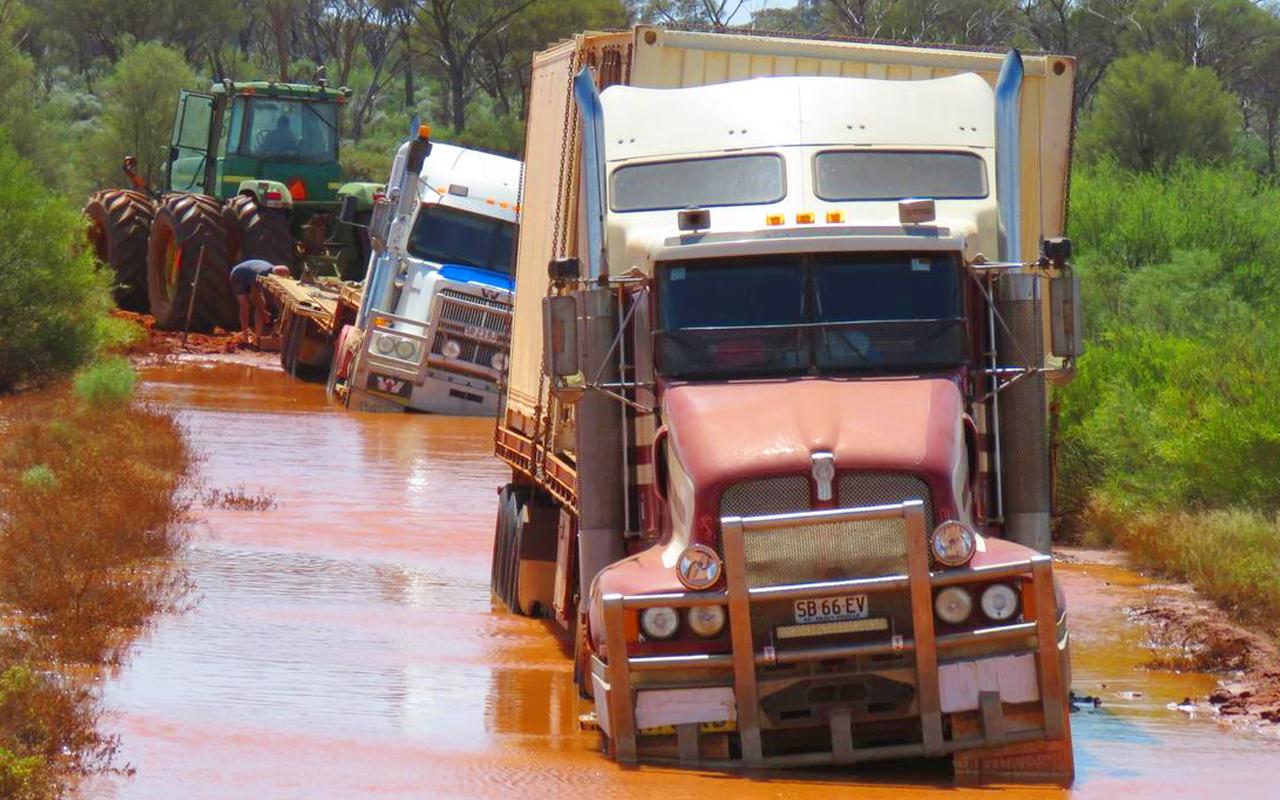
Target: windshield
column 445, row 235
column 288, row 130
column 833, row 314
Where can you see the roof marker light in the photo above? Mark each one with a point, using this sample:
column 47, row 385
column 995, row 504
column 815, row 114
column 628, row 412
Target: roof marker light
column 805, row 218
column 835, row 216
column 773, row 219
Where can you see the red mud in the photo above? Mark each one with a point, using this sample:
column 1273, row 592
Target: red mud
column 345, row 644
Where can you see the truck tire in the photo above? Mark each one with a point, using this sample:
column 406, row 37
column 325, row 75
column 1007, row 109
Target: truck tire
column 119, row 224
column 258, row 232
column 499, row 538
column 184, row 224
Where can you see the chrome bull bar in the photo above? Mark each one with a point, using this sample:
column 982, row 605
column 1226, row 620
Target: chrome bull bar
column 1039, row 635
column 426, row 340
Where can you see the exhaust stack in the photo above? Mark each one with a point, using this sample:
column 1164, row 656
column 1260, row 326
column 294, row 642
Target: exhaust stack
column 1021, row 411
column 599, row 425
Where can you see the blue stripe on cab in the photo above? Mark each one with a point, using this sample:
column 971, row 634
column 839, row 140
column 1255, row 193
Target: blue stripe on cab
column 457, row 272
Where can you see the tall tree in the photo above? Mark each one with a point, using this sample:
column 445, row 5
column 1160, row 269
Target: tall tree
column 453, row 31
column 1152, row 112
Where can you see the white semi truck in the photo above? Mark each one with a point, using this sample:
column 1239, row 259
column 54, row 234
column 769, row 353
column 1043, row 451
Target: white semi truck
column 433, row 326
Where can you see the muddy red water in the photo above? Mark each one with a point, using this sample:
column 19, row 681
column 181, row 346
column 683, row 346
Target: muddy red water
column 345, row 646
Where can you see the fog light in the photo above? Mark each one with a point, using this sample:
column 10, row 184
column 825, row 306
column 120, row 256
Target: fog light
column 999, row 602
column 660, row 622
column 499, row 361
column 406, row 349
column 706, row 621
column 953, row 543
column 953, row 605
column 451, row 349
column 384, row 345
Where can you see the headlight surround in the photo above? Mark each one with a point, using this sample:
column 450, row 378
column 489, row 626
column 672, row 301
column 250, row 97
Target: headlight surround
column 451, row 349
column 953, row 605
column 499, row 361
column 953, row 543
column 385, row 344
column 406, row 349
column 999, row 602
column 659, row 622
column 706, row 621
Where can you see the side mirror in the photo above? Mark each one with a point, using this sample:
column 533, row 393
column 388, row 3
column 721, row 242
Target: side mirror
column 1066, row 325
column 561, row 359
column 347, row 211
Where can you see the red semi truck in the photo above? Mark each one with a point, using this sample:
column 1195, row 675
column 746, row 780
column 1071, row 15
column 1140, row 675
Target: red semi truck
column 776, row 406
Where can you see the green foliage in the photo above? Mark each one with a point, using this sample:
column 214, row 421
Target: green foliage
column 40, row 478
column 1177, row 400
column 1152, row 112
column 139, row 99
column 107, row 384
column 52, row 296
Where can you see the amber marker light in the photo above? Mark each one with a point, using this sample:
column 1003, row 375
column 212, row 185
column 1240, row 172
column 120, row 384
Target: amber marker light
column 773, row 219
column 835, row 216
column 805, row 218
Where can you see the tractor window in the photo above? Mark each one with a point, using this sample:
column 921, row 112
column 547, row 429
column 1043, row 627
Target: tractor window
column 190, row 154
column 282, row 129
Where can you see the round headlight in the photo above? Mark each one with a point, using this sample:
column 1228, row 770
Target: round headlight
column 406, row 349
column 953, row 605
column 953, row 543
column 660, row 622
column 706, row 621
column 499, row 361
column 385, row 344
column 999, row 602
column 451, row 349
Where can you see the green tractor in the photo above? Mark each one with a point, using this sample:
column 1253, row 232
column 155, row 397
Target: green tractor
column 249, row 166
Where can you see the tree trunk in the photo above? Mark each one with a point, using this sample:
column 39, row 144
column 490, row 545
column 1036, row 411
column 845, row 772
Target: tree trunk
column 410, row 92
column 457, row 96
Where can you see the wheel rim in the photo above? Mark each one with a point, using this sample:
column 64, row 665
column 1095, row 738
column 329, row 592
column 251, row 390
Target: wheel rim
column 172, row 266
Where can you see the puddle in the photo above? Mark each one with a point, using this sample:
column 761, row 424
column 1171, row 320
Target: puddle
column 345, row 645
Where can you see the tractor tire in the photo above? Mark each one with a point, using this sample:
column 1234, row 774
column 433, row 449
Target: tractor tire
column 119, row 224
column 184, row 225
column 258, row 232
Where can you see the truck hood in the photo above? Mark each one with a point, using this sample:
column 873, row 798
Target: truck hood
column 727, row 432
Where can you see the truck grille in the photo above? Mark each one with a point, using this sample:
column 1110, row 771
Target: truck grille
column 825, row 552
column 481, row 326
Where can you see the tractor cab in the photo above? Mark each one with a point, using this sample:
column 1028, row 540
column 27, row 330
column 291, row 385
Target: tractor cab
column 262, row 131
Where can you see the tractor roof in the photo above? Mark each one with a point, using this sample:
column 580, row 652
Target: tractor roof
column 301, row 91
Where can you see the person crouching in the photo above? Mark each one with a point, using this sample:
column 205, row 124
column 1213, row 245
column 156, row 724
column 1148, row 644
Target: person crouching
column 250, row 299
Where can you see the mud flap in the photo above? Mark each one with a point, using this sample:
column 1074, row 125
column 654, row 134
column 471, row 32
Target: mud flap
column 538, row 544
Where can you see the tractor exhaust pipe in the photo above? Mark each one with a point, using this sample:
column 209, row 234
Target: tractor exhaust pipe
column 599, row 425
column 1022, row 418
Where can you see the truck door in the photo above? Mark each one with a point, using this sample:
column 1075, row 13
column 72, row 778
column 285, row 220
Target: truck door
column 189, row 152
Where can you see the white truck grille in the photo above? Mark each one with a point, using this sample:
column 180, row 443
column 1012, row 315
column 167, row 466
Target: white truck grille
column 481, row 326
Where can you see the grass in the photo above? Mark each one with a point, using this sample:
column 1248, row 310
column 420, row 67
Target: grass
column 1231, row 557
column 91, row 523
column 239, row 499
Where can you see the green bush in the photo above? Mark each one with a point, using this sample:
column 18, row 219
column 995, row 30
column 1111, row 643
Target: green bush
column 108, row 383
column 52, row 297
column 40, row 477
column 1177, row 400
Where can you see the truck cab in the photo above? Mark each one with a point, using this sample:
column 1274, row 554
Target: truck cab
column 434, row 326
column 788, row 481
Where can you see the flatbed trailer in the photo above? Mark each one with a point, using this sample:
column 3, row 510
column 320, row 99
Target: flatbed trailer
column 311, row 316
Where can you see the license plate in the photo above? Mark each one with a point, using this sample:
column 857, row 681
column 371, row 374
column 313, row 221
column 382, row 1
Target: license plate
column 483, row 334
column 831, row 609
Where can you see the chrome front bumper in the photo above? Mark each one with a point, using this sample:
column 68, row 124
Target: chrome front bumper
column 623, row 683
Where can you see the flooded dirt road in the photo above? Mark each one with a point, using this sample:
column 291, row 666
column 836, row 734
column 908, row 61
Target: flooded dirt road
column 345, row 646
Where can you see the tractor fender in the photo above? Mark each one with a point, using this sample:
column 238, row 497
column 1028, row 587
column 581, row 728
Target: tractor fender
column 363, row 192
column 269, row 194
